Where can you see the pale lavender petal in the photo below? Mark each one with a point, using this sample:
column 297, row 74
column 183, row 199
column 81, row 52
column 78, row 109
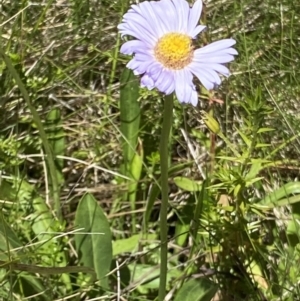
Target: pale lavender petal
column 194, row 17
column 166, row 12
column 131, row 30
column 196, row 31
column 216, row 46
column 141, row 22
column 134, row 65
column 139, row 67
column 182, row 8
column 154, row 71
column 147, row 81
column 217, row 67
column 165, row 82
column 204, row 78
column 144, row 56
column 213, row 58
column 184, row 86
column 213, row 75
column 194, row 97
column 133, row 46
column 141, row 16
column 153, row 19
column 231, row 51
column 137, row 31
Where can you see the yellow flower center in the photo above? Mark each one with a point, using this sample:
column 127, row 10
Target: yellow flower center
column 174, row 50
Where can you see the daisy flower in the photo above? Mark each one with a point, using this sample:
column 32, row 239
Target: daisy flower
column 163, row 49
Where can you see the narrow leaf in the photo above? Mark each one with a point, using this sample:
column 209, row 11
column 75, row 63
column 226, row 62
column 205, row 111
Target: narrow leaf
column 8, row 240
column 56, row 138
column 274, row 198
column 187, row 184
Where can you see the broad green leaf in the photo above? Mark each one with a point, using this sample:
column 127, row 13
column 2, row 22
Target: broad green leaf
column 94, row 245
column 197, row 290
column 188, row 184
column 129, row 114
column 129, row 244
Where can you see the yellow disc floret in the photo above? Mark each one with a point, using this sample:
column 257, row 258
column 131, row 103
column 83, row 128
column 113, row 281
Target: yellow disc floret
column 174, row 50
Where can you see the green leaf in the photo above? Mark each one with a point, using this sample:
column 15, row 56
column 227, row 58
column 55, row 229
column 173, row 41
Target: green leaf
column 31, row 286
column 8, row 240
column 263, row 130
column 56, row 138
column 197, row 290
column 41, row 219
column 94, row 244
column 129, row 114
column 256, row 167
column 42, row 222
column 187, row 184
column 135, row 172
column 148, row 276
column 275, row 198
column 181, row 232
column 292, row 231
column 245, row 138
column 129, row 244
column 262, row 145
column 185, row 215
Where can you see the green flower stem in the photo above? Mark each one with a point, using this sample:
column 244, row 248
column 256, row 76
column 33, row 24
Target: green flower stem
column 164, row 166
column 49, row 156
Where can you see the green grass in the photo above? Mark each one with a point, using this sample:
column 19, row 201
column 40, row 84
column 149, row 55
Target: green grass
column 234, row 197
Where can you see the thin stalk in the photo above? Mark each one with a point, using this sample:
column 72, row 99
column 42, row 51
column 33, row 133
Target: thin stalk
column 49, row 156
column 164, row 166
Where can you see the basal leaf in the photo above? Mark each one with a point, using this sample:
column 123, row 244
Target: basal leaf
column 129, row 114
column 94, row 245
